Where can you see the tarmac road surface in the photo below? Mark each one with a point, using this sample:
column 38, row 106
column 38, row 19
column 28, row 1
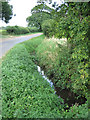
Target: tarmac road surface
column 9, row 43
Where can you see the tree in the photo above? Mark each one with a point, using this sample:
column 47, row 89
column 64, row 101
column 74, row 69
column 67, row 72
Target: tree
column 48, row 26
column 39, row 14
column 41, row 8
column 6, row 13
column 42, row 1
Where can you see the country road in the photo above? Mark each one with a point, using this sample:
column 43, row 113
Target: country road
column 9, row 43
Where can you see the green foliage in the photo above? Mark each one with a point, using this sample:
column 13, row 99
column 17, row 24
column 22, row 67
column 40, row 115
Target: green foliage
column 76, row 111
column 17, row 30
column 72, row 23
column 54, row 58
column 43, row 1
column 37, row 18
column 62, row 71
column 6, row 11
column 39, row 14
column 25, row 94
column 40, row 8
column 3, row 32
column 47, row 27
column 33, row 29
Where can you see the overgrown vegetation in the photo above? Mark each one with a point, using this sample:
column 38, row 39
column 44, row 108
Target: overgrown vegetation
column 20, row 30
column 25, row 94
column 48, row 27
column 65, row 61
column 7, row 32
column 33, row 29
column 72, row 23
column 17, row 30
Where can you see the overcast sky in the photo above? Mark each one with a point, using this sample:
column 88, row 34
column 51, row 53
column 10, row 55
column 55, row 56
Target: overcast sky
column 22, row 10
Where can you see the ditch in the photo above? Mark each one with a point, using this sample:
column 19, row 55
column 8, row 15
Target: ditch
column 69, row 97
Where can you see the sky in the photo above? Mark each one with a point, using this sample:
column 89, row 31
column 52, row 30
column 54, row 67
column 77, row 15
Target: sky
column 22, row 9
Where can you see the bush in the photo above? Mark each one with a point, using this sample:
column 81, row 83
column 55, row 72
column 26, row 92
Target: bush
column 11, row 29
column 23, row 30
column 73, row 25
column 77, row 37
column 17, row 30
column 33, row 29
column 3, row 32
column 60, row 66
column 48, row 27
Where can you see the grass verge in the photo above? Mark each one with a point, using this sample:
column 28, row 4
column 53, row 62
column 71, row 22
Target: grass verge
column 25, row 94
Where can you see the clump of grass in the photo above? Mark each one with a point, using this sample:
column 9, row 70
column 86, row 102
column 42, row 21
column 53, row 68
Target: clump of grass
column 48, row 54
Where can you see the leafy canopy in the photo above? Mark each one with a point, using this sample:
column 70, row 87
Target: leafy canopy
column 72, row 22
column 39, row 14
column 6, row 13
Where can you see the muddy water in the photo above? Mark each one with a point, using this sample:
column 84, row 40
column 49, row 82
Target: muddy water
column 69, row 97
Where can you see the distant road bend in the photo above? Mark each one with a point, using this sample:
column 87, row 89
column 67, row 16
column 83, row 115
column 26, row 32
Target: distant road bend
column 9, row 43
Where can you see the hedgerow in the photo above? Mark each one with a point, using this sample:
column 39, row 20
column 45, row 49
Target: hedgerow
column 17, row 30
column 33, row 29
column 73, row 24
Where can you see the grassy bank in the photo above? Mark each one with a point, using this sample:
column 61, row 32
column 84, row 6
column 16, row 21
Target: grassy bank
column 25, row 94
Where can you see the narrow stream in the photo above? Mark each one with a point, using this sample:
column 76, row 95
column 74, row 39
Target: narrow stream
column 42, row 73
column 69, row 97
